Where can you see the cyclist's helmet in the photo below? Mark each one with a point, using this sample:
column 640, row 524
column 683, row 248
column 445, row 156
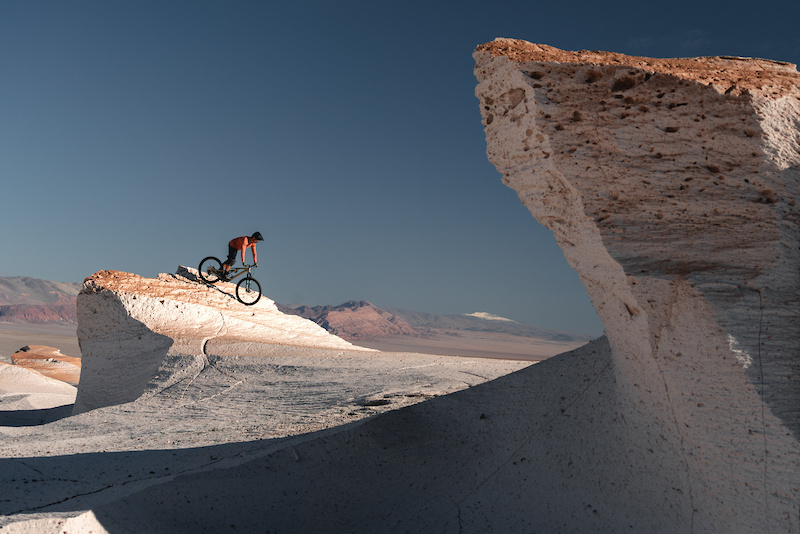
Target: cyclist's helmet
column 257, row 236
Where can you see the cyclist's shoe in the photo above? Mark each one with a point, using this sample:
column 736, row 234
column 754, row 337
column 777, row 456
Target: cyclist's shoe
column 223, row 277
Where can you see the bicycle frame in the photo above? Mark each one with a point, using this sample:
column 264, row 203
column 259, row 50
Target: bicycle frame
column 238, row 270
column 248, row 289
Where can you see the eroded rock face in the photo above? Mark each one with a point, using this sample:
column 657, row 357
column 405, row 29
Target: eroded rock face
column 128, row 325
column 670, row 185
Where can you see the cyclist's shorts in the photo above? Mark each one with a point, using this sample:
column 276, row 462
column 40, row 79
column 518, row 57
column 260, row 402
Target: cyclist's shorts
column 231, row 255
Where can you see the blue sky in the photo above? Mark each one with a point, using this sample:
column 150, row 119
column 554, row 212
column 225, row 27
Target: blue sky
column 142, row 135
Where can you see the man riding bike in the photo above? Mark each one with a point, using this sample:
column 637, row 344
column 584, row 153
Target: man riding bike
column 241, row 244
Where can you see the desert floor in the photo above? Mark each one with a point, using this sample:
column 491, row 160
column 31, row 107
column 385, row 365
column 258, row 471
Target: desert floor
column 15, row 336
column 480, row 345
column 206, row 413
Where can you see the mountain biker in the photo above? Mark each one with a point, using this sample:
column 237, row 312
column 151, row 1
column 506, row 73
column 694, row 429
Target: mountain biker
column 241, row 243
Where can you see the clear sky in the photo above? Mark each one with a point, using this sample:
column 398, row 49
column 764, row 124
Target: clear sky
column 142, row 135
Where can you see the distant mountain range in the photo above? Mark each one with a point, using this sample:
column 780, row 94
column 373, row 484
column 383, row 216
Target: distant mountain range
column 361, row 320
column 476, row 334
column 354, row 320
column 31, row 300
column 425, row 323
column 26, row 290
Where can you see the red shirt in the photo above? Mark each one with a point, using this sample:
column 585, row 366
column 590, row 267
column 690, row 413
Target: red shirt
column 243, row 243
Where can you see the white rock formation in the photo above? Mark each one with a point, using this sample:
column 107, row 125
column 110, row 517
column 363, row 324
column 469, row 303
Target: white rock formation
column 26, row 389
column 128, row 325
column 671, row 187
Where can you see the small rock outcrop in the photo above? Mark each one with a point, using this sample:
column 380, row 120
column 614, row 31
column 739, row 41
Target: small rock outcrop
column 128, row 325
column 671, row 186
column 50, row 362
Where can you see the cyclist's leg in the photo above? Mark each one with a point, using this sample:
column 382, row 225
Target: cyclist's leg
column 231, row 259
column 227, row 264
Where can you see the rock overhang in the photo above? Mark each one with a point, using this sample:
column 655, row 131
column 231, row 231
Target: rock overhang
column 686, row 169
column 670, row 185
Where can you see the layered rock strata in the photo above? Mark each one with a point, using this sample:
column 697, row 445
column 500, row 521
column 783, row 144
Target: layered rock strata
column 671, row 186
column 128, row 325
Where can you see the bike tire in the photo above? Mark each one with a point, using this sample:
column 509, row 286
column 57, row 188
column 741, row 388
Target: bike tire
column 248, row 291
column 209, row 269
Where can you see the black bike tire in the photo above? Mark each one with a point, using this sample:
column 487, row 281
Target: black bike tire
column 242, row 284
column 213, row 263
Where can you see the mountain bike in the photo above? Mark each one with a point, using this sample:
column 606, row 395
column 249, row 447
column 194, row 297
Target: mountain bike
column 248, row 290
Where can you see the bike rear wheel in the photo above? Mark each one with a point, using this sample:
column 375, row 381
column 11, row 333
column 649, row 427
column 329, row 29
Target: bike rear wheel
column 210, row 269
column 248, row 291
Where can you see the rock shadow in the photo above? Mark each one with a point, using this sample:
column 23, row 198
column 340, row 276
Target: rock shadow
column 43, row 416
column 120, row 354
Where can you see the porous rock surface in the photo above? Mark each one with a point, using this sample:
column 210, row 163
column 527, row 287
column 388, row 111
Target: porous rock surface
column 128, row 325
column 671, row 186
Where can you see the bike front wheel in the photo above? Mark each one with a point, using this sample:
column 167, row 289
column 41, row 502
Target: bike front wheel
column 210, row 269
column 248, row 291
